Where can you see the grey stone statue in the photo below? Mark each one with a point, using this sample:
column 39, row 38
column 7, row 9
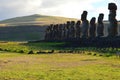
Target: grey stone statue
column 84, row 25
column 72, row 30
column 100, row 25
column 68, row 30
column 92, row 28
column 78, row 29
column 112, row 28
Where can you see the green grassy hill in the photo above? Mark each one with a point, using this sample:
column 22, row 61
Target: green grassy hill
column 35, row 19
column 28, row 27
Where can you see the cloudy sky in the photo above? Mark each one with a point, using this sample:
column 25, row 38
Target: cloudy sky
column 65, row 8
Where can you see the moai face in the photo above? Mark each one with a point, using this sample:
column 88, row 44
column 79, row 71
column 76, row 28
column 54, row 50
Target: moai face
column 100, row 18
column 78, row 23
column 93, row 20
column 72, row 23
column 68, row 24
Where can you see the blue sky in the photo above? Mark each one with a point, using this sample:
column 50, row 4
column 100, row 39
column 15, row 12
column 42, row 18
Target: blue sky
column 65, row 8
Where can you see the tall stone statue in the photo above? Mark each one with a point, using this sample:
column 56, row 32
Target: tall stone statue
column 72, row 30
column 92, row 29
column 68, row 30
column 49, row 32
column 84, row 25
column 64, row 32
column 112, row 28
column 100, row 25
column 78, row 29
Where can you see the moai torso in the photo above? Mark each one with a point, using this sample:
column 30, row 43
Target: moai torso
column 112, row 28
column 78, row 29
column 100, row 25
column 92, row 30
column 84, row 25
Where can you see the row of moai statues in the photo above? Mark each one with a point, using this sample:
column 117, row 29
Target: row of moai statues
column 83, row 28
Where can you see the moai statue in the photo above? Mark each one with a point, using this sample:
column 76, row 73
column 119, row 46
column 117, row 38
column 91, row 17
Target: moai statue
column 60, row 31
column 68, row 30
column 53, row 37
column 78, row 29
column 57, row 32
column 92, row 29
column 112, row 28
column 63, row 31
column 72, row 30
column 100, row 25
column 47, row 33
column 84, row 25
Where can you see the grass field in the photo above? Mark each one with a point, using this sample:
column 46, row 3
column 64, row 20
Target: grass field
column 15, row 66
column 57, row 66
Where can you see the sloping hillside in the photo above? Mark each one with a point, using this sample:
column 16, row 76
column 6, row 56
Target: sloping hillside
column 35, row 19
column 27, row 27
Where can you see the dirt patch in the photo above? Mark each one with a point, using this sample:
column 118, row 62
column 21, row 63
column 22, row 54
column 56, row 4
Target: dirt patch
column 89, row 60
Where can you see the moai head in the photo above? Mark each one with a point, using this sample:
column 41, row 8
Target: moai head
column 112, row 6
column 60, row 26
column 68, row 24
column 84, row 15
column 72, row 23
column 78, row 22
column 92, row 21
column 100, row 18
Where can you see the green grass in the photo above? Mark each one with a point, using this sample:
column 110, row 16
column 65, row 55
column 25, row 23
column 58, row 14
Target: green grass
column 14, row 66
column 57, row 46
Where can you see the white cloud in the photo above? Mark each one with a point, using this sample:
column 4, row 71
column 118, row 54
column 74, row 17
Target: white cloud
column 67, row 8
